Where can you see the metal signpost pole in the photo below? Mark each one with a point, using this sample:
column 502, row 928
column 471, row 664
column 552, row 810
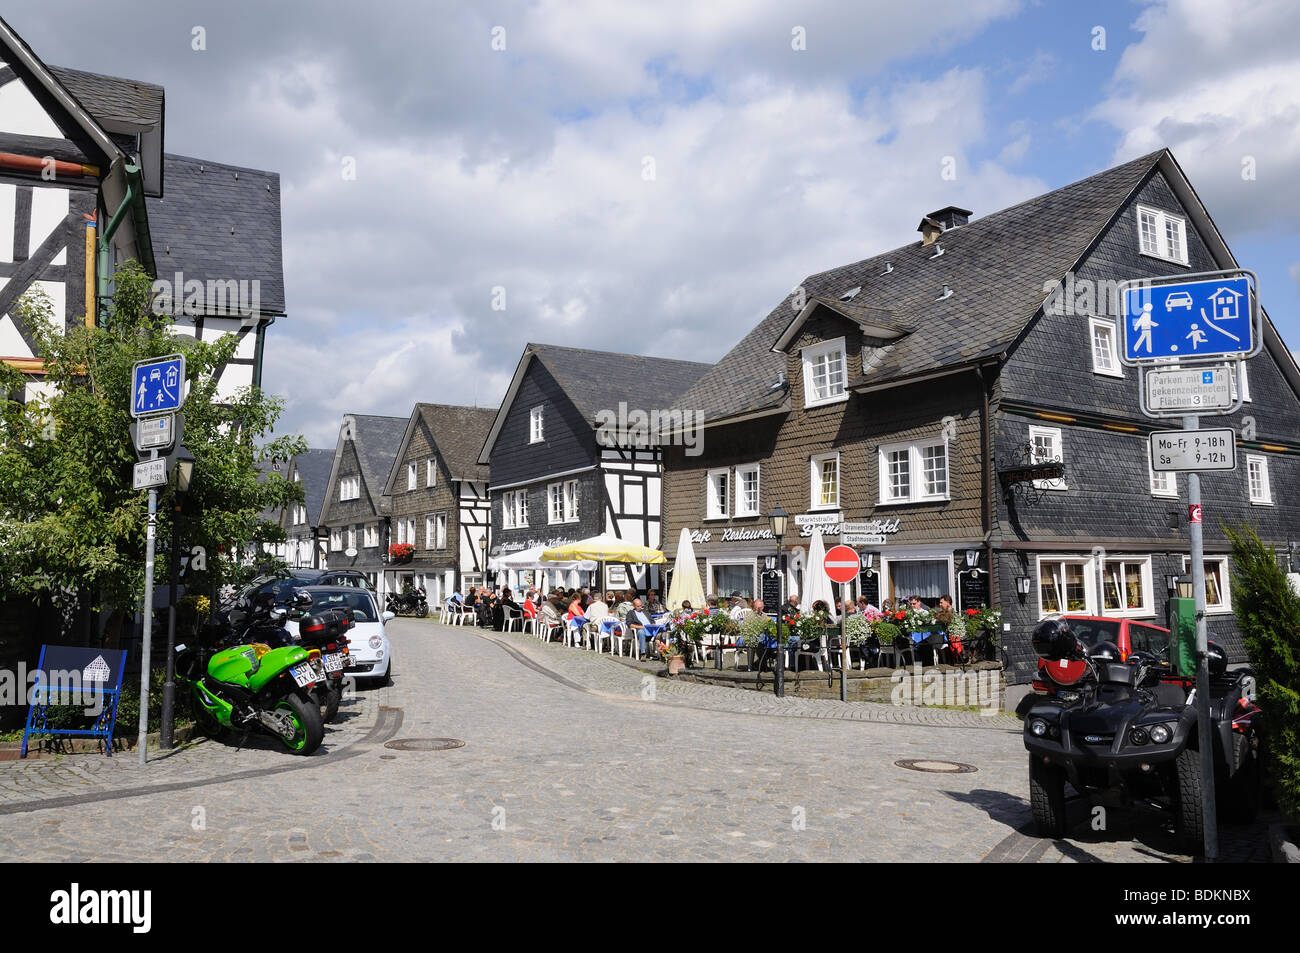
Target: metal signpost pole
column 1203, row 730
column 165, row 739
column 148, row 621
column 844, row 648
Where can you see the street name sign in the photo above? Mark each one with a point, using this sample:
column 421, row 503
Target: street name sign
column 842, row 564
column 1193, row 450
column 149, row 473
column 1189, row 388
column 1211, row 317
column 154, row 433
column 157, row 385
column 862, row 539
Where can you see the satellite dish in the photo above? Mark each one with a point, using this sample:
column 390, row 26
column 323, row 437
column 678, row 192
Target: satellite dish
column 350, row 553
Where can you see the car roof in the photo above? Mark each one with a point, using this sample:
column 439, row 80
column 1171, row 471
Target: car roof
column 1106, row 618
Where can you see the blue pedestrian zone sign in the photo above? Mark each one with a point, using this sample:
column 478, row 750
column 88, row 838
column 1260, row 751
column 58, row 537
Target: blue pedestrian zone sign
column 71, row 676
column 1189, row 320
column 157, row 386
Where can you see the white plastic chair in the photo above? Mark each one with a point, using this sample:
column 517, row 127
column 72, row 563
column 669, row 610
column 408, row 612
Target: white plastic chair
column 513, row 617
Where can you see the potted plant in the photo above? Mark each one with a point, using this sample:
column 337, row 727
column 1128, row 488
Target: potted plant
column 401, row 552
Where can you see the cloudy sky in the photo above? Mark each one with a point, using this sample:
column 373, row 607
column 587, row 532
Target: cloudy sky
column 654, row 177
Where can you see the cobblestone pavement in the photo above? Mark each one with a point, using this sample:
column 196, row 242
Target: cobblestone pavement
column 567, row 756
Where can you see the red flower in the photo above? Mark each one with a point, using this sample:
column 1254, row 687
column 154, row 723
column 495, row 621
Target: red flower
column 972, row 611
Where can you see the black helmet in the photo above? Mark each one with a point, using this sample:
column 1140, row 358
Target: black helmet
column 1104, row 652
column 1216, row 660
column 1052, row 639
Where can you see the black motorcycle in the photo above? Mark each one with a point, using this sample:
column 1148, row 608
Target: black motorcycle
column 1130, row 737
column 411, row 602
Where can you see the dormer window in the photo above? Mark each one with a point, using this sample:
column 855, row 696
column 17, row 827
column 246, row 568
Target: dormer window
column 825, row 373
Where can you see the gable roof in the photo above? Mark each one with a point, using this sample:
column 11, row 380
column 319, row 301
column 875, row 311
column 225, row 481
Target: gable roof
column 458, row 433
column 599, row 380
column 125, row 107
column 313, row 469
column 376, row 440
column 220, row 222
column 995, row 266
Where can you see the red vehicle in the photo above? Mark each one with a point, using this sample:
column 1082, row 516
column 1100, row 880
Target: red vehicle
column 1129, row 635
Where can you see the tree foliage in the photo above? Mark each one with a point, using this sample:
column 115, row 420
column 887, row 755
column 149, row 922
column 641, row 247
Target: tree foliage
column 69, row 520
column 1268, row 612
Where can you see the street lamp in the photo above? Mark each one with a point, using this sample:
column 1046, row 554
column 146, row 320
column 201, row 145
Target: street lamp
column 482, row 548
column 183, row 471
column 777, row 520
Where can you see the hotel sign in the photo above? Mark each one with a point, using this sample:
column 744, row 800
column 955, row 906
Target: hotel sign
column 871, row 532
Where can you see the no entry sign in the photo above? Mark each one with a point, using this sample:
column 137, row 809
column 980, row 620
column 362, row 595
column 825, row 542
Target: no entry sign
column 842, row 564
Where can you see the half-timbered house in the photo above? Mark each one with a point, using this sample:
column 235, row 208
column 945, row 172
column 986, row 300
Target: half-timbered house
column 437, row 494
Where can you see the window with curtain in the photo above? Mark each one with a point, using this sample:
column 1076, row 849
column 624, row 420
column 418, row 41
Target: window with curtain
column 1062, row 586
column 728, row 578
column 927, row 578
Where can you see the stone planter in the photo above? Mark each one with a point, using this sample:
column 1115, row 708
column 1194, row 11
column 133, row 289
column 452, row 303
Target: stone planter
column 676, row 664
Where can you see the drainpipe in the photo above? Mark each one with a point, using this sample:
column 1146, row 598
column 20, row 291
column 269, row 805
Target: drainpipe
column 133, row 201
column 257, row 354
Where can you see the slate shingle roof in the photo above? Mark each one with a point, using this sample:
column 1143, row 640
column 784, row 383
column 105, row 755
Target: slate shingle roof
column 192, row 227
column 996, row 267
column 113, row 100
column 460, row 433
column 598, row 380
column 377, row 440
column 313, row 468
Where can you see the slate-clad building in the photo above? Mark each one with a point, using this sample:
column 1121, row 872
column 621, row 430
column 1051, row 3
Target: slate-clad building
column 557, row 474
column 437, row 495
column 896, row 390
column 305, row 543
column 354, row 521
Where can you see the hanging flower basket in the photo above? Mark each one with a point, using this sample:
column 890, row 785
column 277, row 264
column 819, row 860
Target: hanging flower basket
column 401, row 552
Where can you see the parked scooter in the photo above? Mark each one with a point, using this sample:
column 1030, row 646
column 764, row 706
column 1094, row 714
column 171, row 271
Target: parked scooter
column 408, row 603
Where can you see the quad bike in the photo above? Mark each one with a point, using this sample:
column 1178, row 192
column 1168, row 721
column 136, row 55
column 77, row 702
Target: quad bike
column 1130, row 737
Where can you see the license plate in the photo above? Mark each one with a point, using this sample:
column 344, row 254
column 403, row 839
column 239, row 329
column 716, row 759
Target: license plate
column 303, row 674
column 334, row 662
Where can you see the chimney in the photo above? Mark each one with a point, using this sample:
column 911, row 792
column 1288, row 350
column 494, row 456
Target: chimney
column 945, row 219
column 930, row 229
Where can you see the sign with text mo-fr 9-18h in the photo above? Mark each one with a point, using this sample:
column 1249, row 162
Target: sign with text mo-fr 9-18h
column 158, row 386
column 1188, row 320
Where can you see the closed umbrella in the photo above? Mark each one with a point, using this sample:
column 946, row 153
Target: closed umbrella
column 685, row 586
column 816, row 584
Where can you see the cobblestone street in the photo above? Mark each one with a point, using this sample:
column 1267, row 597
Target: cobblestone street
column 567, row 756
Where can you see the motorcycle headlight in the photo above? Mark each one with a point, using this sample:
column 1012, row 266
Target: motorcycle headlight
column 376, row 642
column 1037, row 727
column 1138, row 736
column 1160, row 734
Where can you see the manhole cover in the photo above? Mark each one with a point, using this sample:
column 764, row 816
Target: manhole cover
column 936, row 767
column 424, row 744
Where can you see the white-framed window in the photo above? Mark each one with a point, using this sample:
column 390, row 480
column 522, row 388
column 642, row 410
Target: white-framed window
column 1261, row 493
column 336, row 540
column 430, row 532
column 410, row 477
column 352, row 537
column 571, row 501
column 1245, row 382
column 1161, row 234
column 410, row 530
column 555, row 503
column 299, row 514
column 535, row 425
column 1063, row 585
column 349, row 488
column 1105, row 356
column 1164, row 483
column 370, row 535
column 514, row 509
column 1218, row 589
column 1126, row 586
column 718, row 494
column 727, row 576
column 913, row 472
column 440, row 531
column 401, row 531
column 1045, row 447
column 747, row 490
column 824, row 477
column 825, row 373
column 431, row 472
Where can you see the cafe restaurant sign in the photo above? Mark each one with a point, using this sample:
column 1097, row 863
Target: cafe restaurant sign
column 827, row 524
column 518, row 547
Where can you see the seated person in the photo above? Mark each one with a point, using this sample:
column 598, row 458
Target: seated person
column 623, row 606
column 637, row 619
column 653, row 604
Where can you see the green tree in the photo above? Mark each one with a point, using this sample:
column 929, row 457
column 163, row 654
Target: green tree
column 1268, row 611
column 71, row 527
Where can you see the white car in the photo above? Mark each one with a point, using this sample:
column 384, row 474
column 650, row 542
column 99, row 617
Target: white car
column 1179, row 299
column 367, row 642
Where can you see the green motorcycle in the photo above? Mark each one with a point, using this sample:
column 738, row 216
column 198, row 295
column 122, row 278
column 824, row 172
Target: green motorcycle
column 254, row 687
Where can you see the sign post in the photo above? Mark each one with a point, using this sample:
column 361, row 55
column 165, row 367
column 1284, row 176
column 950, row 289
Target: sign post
column 147, row 618
column 842, row 566
column 1189, row 336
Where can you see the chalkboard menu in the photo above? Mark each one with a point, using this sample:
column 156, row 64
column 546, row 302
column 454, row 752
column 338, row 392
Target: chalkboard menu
column 973, row 590
column 869, row 586
column 770, row 586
